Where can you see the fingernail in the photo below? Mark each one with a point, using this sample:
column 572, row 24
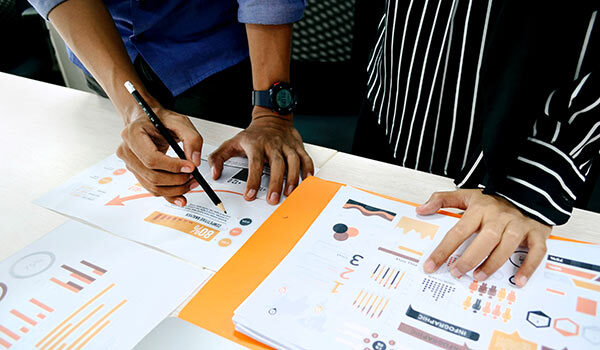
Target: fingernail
column 429, row 266
column 274, row 197
column 186, row 169
column 480, row 276
column 521, row 281
column 310, row 174
column 194, row 185
column 455, row 273
column 250, row 193
column 289, row 190
column 214, row 172
column 179, row 202
column 196, row 157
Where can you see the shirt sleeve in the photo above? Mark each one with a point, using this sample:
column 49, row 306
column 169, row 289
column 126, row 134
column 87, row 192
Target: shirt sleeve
column 43, row 7
column 270, row 11
column 551, row 168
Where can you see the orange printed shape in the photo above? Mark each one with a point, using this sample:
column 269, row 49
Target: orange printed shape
column 190, row 227
column 425, row 229
column 587, row 285
column 586, row 306
column 212, row 308
column 505, row 341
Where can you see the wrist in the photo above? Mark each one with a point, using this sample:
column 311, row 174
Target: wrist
column 259, row 112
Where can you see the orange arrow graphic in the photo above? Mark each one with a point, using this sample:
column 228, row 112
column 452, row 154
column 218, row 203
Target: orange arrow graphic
column 118, row 200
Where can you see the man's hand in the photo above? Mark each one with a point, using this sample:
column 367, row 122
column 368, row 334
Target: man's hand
column 501, row 229
column 143, row 150
column 269, row 138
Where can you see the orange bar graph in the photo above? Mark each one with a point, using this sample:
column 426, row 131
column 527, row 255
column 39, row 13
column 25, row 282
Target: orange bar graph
column 87, row 317
column 95, row 325
column 75, row 314
column 23, row 317
column 190, row 227
column 82, row 279
column 93, row 335
column 24, row 329
column 587, row 285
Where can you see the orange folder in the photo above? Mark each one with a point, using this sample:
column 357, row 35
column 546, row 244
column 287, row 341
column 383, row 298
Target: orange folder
column 213, row 306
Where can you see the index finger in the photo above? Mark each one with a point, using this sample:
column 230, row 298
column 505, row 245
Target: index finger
column 147, row 152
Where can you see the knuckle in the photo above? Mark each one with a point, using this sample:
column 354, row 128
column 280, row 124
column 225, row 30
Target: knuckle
column 512, row 234
column 492, row 234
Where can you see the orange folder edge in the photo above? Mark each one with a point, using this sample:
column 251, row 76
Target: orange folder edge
column 213, row 306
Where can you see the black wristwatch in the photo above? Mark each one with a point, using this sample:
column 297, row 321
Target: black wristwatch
column 280, row 98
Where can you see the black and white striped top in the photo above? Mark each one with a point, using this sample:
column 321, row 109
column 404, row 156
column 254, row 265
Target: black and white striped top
column 442, row 82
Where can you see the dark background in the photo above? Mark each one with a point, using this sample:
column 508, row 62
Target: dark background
column 329, row 79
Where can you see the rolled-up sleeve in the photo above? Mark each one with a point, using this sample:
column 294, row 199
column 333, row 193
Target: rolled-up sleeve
column 43, row 7
column 270, row 11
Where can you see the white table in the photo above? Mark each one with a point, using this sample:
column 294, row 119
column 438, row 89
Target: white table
column 50, row 133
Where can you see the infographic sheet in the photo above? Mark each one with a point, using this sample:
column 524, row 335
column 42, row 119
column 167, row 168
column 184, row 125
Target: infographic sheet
column 81, row 288
column 355, row 281
column 107, row 195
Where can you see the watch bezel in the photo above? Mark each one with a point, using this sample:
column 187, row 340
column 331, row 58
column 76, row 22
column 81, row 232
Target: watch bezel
column 276, row 89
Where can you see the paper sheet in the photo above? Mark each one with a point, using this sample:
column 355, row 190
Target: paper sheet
column 355, row 281
column 108, row 195
column 78, row 287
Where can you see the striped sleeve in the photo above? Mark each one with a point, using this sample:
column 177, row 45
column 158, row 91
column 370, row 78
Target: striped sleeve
column 551, row 168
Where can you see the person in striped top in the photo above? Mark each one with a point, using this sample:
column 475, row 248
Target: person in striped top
column 502, row 96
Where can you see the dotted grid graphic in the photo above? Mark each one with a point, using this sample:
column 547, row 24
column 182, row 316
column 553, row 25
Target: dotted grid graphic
column 325, row 32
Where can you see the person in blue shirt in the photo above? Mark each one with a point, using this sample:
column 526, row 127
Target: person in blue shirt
column 190, row 58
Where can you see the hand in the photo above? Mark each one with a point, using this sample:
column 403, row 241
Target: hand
column 275, row 139
column 143, row 150
column 501, row 229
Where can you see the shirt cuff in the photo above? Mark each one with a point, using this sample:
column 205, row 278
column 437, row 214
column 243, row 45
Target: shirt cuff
column 270, row 12
column 43, row 7
column 542, row 183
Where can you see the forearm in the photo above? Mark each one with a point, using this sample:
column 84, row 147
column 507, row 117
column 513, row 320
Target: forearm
column 270, row 49
column 87, row 27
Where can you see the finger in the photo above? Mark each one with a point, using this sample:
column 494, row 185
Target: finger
column 537, row 250
column 277, row 164
column 510, row 240
column 256, row 163
column 152, row 177
column 146, row 151
column 192, row 141
column 293, row 169
column 180, row 201
column 463, row 229
column 487, row 239
column 220, row 156
column 438, row 200
column 308, row 168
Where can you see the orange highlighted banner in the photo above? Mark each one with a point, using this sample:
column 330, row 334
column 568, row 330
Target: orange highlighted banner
column 190, row 227
column 570, row 271
column 587, row 285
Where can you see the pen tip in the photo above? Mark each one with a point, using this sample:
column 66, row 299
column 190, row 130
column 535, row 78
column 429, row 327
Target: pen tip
column 222, row 207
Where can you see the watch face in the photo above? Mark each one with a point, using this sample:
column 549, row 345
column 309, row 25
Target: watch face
column 284, row 98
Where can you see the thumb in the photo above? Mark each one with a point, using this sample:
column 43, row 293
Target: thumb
column 438, row 200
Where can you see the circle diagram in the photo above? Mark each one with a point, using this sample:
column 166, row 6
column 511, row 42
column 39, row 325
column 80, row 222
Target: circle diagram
column 235, row 231
column 32, row 264
column 245, row 221
column 342, row 232
column 104, row 180
column 119, row 172
column 224, row 242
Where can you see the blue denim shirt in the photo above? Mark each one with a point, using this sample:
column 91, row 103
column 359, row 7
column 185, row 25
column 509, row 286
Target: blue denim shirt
column 186, row 41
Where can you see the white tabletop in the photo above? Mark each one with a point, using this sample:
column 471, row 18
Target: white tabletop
column 50, row 133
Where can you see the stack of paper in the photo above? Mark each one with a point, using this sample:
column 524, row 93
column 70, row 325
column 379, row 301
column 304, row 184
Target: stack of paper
column 355, row 281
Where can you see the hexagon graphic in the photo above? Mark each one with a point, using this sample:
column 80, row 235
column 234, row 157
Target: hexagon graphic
column 566, row 327
column 538, row 319
column 592, row 334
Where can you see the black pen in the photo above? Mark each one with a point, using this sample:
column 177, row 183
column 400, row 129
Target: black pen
column 167, row 135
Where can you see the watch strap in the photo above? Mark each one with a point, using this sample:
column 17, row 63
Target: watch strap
column 262, row 99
